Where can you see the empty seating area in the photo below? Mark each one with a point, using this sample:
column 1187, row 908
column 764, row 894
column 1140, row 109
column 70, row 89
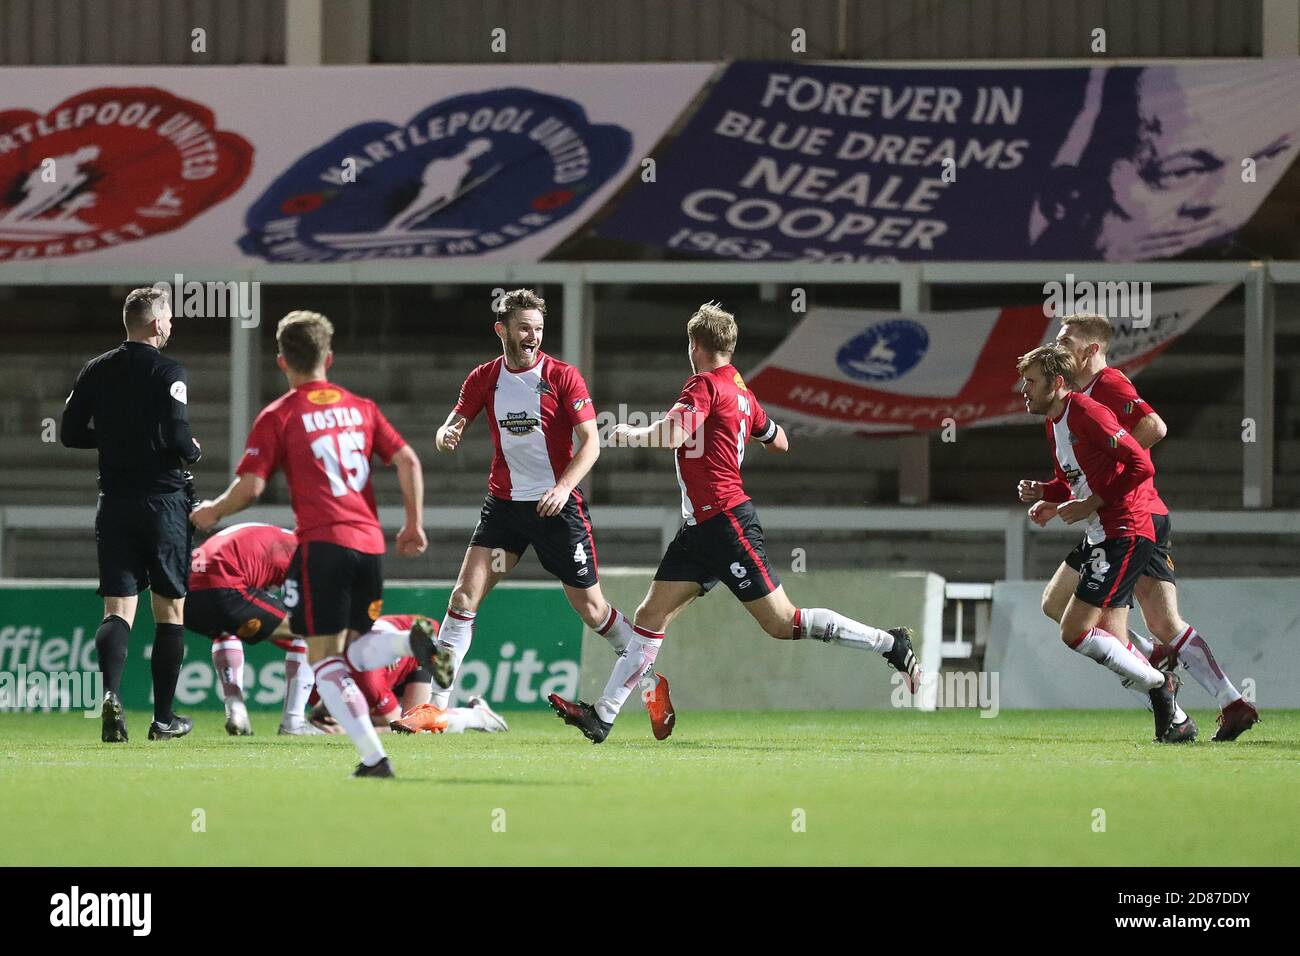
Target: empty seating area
column 409, row 348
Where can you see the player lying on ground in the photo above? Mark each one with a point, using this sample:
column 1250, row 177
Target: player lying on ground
column 1088, row 338
column 323, row 436
column 230, row 602
column 1101, row 477
column 721, row 538
column 534, row 404
column 398, row 695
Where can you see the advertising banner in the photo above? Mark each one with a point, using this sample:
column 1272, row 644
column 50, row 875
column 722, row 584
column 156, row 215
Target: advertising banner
column 843, row 163
column 527, row 644
column 228, row 166
column 864, row 371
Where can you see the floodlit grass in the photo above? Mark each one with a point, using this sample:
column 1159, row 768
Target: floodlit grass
column 772, row 788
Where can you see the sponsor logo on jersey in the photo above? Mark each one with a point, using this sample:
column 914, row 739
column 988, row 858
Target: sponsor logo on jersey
column 580, row 404
column 518, row 423
column 543, row 388
column 740, row 382
column 324, row 396
column 376, row 608
column 886, row 351
column 178, row 392
column 1128, row 408
column 1114, row 439
column 464, row 176
column 738, row 569
column 249, row 628
column 110, row 165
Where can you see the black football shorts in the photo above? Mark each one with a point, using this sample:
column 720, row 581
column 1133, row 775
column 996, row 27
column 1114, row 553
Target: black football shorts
column 565, row 544
column 727, row 547
column 144, row 544
column 330, row 588
column 250, row 614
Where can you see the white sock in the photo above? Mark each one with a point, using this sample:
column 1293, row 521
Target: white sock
column 635, row 664
column 461, row 719
column 1110, row 652
column 346, row 704
column 822, row 624
column 617, row 629
column 228, row 662
column 456, row 633
column 1143, row 644
column 376, row 649
column 1179, row 714
column 299, row 679
column 1195, row 655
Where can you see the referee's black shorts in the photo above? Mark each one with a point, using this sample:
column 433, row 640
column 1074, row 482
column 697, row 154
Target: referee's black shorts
column 144, row 544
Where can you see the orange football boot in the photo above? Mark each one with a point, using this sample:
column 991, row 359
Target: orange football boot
column 422, row 719
column 660, row 708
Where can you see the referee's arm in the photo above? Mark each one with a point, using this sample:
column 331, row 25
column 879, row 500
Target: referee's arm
column 77, row 431
column 174, row 417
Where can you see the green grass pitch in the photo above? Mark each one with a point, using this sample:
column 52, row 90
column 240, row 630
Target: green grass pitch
column 893, row 788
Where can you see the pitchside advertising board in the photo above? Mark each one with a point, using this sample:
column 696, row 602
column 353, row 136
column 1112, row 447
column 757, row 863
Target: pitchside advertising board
column 527, row 644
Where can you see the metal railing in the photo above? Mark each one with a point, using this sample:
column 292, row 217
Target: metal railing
column 1010, row 524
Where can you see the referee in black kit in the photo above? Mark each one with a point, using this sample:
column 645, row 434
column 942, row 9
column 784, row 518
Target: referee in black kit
column 130, row 404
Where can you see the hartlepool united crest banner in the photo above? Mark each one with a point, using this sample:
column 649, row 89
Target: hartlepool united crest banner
column 222, row 166
column 849, row 370
column 844, row 163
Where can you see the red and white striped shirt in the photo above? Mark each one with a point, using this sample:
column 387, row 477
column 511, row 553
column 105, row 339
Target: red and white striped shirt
column 1092, row 453
column 532, row 413
column 1112, row 388
column 720, row 414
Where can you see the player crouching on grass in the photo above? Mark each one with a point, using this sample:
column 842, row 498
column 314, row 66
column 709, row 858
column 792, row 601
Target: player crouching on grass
column 721, row 538
column 1101, row 475
column 230, row 575
column 1088, row 338
column 398, row 695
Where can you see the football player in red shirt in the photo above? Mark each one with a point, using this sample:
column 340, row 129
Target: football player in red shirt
column 398, row 695
column 1088, row 339
column 721, row 538
column 1101, row 478
column 533, row 404
column 230, row 577
column 323, row 437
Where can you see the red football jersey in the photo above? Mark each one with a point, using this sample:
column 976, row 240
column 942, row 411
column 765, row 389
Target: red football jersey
column 323, row 437
column 720, row 413
column 532, row 413
column 1112, row 388
column 1092, row 453
column 249, row 555
column 378, row 685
